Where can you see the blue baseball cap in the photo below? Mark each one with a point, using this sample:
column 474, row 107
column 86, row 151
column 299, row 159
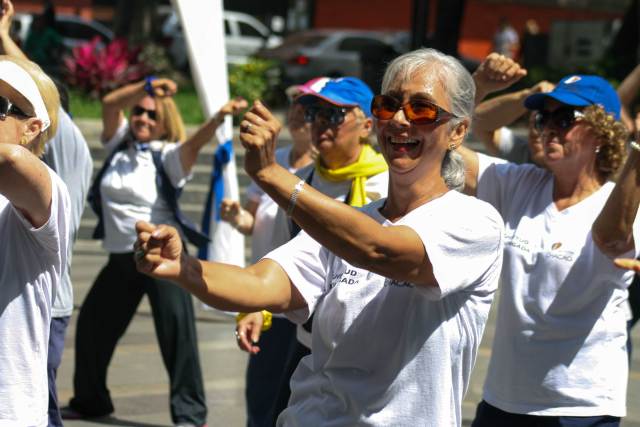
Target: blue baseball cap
column 342, row 91
column 580, row 91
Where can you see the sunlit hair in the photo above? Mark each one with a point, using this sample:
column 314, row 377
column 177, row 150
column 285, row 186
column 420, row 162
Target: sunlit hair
column 169, row 115
column 612, row 136
column 50, row 97
column 460, row 89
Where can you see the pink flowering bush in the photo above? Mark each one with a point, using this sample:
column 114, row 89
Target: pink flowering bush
column 96, row 68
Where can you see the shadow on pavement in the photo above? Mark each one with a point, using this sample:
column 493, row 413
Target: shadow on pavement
column 115, row 421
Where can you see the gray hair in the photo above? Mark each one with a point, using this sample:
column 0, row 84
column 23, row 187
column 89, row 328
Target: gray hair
column 460, row 89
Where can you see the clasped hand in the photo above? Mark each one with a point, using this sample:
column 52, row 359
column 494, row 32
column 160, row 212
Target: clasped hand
column 158, row 250
column 259, row 131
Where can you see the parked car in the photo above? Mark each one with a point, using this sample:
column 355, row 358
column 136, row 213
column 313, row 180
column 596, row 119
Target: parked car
column 244, row 36
column 73, row 29
column 335, row 52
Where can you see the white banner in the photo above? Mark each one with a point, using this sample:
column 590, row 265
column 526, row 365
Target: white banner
column 203, row 27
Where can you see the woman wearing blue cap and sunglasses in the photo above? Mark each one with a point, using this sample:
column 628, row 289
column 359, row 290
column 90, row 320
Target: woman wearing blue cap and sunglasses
column 348, row 169
column 400, row 289
column 559, row 351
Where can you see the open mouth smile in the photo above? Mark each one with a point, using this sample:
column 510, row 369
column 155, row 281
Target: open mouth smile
column 403, row 145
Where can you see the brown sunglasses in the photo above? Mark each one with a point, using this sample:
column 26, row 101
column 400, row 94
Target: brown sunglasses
column 417, row 111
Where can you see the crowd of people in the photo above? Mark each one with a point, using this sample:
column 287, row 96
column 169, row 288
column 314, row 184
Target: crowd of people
column 379, row 242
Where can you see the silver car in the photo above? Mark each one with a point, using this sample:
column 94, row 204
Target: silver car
column 335, row 52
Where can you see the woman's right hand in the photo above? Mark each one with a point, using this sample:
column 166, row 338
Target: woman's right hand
column 231, row 211
column 6, row 18
column 628, row 264
column 248, row 330
column 158, row 251
column 164, row 87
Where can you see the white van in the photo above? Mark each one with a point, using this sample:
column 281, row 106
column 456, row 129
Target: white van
column 244, row 36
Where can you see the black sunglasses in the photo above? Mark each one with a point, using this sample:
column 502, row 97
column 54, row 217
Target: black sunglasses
column 418, row 111
column 334, row 115
column 138, row 111
column 7, row 108
column 562, row 118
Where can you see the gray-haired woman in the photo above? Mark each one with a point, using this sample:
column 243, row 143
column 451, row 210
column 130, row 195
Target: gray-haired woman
column 400, row 289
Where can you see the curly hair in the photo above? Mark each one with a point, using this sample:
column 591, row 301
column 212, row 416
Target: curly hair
column 612, row 136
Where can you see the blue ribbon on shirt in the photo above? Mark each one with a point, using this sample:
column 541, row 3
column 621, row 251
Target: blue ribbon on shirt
column 222, row 156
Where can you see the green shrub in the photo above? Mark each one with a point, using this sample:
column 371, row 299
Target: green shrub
column 253, row 80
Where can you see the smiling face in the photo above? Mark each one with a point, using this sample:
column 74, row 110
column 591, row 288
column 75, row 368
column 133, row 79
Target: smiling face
column 143, row 127
column 414, row 149
column 340, row 144
column 573, row 147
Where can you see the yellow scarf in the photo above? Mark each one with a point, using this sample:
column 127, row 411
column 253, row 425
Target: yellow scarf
column 369, row 163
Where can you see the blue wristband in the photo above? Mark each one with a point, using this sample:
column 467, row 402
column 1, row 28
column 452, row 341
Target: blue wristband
column 148, row 87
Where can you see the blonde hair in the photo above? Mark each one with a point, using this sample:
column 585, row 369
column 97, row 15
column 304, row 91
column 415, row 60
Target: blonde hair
column 612, row 136
column 169, row 116
column 50, row 97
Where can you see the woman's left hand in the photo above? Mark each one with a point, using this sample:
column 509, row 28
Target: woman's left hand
column 259, row 131
column 233, row 106
column 164, row 87
column 627, row 264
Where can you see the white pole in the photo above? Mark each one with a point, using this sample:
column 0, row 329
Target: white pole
column 203, row 27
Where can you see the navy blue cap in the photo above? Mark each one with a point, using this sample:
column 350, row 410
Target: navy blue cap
column 580, row 91
column 343, row 92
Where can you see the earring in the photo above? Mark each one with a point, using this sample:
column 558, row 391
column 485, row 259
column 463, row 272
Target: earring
column 597, row 149
column 452, row 146
column 23, row 140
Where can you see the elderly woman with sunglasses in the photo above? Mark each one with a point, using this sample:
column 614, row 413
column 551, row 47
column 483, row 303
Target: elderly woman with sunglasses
column 400, row 289
column 35, row 215
column 148, row 162
column 559, row 354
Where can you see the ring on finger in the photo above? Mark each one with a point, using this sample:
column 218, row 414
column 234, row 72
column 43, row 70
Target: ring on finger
column 139, row 254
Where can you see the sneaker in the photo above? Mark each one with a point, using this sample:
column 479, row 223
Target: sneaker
column 68, row 413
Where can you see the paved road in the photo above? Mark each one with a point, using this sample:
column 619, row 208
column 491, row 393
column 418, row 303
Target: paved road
column 138, row 382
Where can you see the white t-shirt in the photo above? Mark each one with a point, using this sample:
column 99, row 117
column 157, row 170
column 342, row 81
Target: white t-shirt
column 68, row 155
column 389, row 353
column 376, row 187
column 560, row 340
column 31, row 264
column 129, row 192
column 264, row 219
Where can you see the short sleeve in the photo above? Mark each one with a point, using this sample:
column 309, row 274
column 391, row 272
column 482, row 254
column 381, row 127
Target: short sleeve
column 306, row 263
column 117, row 137
column 499, row 179
column 463, row 242
column 54, row 234
column 173, row 165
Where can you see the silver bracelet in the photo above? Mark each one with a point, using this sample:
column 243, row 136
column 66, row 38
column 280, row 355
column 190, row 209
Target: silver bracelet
column 294, row 196
column 634, row 145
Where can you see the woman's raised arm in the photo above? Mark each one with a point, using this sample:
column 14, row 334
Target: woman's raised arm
column 25, row 182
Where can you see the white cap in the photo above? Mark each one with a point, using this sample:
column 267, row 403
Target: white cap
column 16, row 77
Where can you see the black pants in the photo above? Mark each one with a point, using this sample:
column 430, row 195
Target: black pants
column 54, row 357
column 295, row 353
column 104, row 317
column 490, row 416
column 264, row 373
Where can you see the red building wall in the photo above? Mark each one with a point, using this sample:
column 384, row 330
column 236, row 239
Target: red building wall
column 478, row 26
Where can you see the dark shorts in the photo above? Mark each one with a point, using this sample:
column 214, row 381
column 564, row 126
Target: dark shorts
column 490, row 416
